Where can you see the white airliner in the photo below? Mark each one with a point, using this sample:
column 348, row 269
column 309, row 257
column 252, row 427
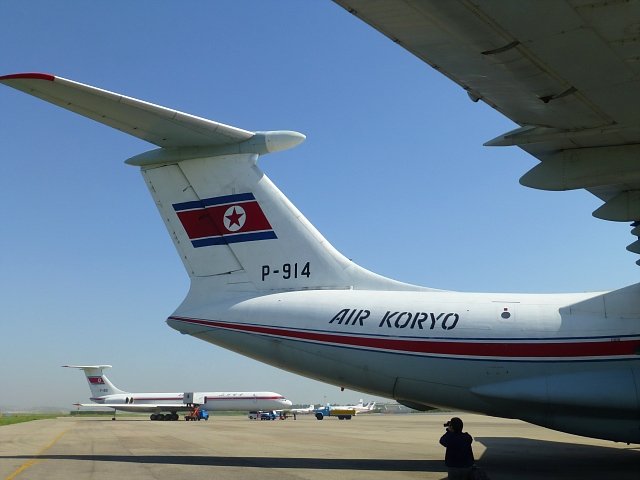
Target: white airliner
column 362, row 408
column 106, row 394
column 359, row 408
column 267, row 284
column 304, row 411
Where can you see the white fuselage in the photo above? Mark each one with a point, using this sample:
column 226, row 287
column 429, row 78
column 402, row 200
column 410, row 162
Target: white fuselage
column 213, row 401
column 524, row 356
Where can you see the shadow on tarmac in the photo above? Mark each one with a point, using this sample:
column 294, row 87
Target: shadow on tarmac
column 504, row 458
column 509, row 457
column 258, row 462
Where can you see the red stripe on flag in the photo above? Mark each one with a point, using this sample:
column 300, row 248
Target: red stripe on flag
column 198, row 224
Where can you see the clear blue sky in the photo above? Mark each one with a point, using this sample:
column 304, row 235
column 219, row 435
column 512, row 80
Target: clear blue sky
column 393, row 173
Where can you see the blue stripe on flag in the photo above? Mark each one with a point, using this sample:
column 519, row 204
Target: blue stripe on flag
column 241, row 237
column 207, row 202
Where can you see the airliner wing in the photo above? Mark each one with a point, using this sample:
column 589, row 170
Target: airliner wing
column 566, row 72
column 309, row 409
column 155, row 124
column 140, row 407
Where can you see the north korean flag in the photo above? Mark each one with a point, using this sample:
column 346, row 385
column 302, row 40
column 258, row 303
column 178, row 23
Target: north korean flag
column 223, row 220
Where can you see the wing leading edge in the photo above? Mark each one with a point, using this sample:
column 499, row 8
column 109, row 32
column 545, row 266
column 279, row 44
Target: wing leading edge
column 180, row 135
column 565, row 71
column 155, row 124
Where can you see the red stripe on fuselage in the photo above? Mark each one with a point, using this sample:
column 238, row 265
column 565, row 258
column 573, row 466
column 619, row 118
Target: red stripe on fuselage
column 510, row 349
column 244, row 398
column 140, row 399
column 137, row 399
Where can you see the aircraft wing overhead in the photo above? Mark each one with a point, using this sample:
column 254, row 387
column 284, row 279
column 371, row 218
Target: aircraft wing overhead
column 155, row 124
column 565, row 71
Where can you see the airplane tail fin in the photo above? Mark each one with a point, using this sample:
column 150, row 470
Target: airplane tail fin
column 236, row 230
column 233, row 229
column 99, row 384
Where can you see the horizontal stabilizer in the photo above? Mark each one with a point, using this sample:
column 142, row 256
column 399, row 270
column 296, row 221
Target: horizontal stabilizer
column 156, row 124
column 87, row 367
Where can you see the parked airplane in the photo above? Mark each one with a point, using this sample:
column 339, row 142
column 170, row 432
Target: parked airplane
column 106, row 394
column 265, row 283
column 304, row 411
column 360, row 407
column 357, row 409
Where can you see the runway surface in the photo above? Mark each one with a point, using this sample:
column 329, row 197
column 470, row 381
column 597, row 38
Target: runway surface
column 369, row 446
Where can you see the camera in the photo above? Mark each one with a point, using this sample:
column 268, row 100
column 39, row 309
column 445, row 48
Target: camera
column 447, row 425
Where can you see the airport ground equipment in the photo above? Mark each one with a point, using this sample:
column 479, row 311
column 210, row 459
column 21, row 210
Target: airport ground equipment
column 341, row 413
column 197, row 414
column 195, row 400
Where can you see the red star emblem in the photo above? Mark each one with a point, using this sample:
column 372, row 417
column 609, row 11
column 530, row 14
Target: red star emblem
column 234, row 217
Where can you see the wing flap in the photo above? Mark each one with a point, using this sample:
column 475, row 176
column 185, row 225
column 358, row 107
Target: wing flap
column 566, row 72
column 493, row 61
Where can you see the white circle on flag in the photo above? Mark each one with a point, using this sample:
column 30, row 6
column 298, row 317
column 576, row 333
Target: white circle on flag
column 234, row 218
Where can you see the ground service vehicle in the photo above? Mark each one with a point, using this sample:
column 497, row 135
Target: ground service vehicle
column 267, row 416
column 197, row 414
column 329, row 411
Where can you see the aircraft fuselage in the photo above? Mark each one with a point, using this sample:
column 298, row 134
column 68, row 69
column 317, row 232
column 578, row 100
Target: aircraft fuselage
column 213, row 401
column 533, row 357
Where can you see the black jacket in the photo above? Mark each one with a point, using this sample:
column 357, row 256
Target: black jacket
column 459, row 453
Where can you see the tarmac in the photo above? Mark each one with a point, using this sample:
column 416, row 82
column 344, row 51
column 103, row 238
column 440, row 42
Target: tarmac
column 370, row 446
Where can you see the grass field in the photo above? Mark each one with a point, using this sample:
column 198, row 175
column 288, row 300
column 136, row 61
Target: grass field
column 26, row 417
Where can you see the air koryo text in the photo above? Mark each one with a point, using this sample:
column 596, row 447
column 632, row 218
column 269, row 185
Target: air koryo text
column 399, row 319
